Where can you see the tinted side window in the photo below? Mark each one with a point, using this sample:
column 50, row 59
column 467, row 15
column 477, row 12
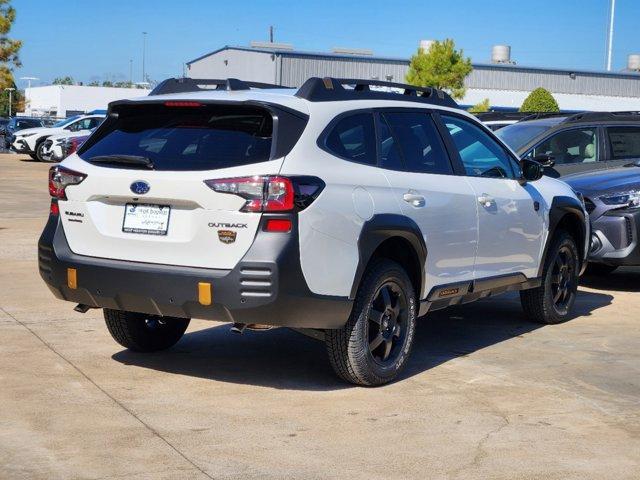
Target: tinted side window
column 420, row 143
column 390, row 157
column 354, row 138
column 571, row 146
column 625, row 142
column 481, row 155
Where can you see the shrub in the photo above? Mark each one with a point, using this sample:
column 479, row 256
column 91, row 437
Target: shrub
column 540, row 100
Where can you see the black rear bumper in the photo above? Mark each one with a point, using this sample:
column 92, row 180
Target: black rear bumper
column 267, row 286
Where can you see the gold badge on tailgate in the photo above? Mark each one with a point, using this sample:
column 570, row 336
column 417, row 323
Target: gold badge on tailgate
column 227, row 236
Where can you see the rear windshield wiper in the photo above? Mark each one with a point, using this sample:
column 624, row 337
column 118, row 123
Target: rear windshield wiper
column 124, row 160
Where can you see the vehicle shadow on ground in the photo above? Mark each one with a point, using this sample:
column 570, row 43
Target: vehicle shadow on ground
column 284, row 359
column 624, row 279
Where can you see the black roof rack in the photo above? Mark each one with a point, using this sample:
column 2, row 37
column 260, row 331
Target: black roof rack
column 329, row 89
column 631, row 116
column 540, row 115
column 185, row 84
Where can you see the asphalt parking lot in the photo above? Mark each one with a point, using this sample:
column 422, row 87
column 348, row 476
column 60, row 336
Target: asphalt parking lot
column 485, row 395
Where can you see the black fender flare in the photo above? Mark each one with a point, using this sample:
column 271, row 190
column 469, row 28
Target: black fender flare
column 381, row 227
column 560, row 207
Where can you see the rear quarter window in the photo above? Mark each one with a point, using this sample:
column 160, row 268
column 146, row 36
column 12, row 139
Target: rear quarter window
column 353, row 138
column 206, row 137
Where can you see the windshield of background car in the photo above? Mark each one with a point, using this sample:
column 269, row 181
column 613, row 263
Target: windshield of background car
column 205, row 137
column 519, row 134
column 65, row 122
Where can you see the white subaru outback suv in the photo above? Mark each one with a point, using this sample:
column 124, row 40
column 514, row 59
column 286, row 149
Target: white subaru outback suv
column 338, row 209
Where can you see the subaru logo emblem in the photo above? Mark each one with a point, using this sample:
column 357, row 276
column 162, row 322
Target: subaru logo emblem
column 140, row 187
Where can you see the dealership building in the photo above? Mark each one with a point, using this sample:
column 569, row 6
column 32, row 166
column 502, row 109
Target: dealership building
column 66, row 100
column 503, row 82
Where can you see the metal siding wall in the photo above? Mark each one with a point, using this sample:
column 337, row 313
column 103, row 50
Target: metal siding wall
column 505, row 78
column 297, row 69
column 293, row 69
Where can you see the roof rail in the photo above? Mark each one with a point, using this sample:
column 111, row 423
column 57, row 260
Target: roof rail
column 603, row 116
column 186, row 84
column 329, row 89
column 539, row 115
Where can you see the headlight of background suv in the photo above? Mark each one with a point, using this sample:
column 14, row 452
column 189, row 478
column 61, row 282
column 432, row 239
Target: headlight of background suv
column 630, row 199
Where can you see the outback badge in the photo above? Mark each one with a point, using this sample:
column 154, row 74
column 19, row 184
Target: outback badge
column 227, row 236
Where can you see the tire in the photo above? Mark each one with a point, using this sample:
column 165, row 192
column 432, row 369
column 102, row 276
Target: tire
column 40, row 153
column 600, row 269
column 552, row 301
column 373, row 346
column 144, row 333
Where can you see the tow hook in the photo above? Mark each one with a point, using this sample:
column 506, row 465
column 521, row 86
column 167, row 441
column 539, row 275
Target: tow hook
column 82, row 308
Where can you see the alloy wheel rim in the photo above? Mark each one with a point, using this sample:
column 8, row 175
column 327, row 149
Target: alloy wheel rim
column 562, row 279
column 387, row 323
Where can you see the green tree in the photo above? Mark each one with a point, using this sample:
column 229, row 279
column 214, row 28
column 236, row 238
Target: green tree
column 63, row 81
column 540, row 100
column 9, row 58
column 94, row 83
column 107, row 83
column 442, row 66
column 480, row 107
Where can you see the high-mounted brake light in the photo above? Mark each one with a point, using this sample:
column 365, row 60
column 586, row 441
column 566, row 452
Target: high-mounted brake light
column 60, row 178
column 182, row 104
column 262, row 194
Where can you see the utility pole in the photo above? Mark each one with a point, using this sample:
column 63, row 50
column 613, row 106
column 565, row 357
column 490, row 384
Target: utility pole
column 28, row 79
column 271, row 34
column 610, row 36
column 10, row 90
column 131, row 72
column 144, row 52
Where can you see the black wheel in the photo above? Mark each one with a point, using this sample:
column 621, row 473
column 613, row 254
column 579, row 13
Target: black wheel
column 373, row 346
column 144, row 333
column 553, row 300
column 599, row 269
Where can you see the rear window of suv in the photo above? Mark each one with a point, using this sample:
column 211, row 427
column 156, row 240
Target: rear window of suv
column 205, row 137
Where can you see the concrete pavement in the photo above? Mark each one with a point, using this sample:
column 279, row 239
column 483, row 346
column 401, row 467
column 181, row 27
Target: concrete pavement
column 485, row 395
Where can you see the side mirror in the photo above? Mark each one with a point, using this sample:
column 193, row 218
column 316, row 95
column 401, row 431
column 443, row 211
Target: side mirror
column 545, row 160
column 531, row 170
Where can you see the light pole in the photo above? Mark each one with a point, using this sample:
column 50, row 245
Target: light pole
column 144, row 52
column 131, row 72
column 610, row 36
column 10, row 90
column 28, row 79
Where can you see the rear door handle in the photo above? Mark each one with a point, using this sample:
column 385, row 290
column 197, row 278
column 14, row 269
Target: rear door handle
column 414, row 199
column 486, row 200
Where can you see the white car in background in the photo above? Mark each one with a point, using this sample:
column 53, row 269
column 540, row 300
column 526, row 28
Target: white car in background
column 57, row 147
column 31, row 140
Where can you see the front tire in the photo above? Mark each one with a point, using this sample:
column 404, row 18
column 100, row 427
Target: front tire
column 144, row 333
column 40, row 153
column 552, row 301
column 373, row 346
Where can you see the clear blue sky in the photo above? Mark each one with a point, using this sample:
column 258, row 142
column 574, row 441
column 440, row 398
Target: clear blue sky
column 94, row 39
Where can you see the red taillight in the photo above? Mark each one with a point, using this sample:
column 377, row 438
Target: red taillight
column 54, row 209
column 182, row 104
column 263, row 194
column 60, row 178
column 278, row 225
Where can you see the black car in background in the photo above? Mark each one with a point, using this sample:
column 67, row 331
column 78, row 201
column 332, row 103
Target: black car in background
column 612, row 198
column 20, row 123
column 576, row 143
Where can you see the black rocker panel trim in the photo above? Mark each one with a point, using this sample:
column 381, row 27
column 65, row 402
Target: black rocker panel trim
column 383, row 227
column 443, row 296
